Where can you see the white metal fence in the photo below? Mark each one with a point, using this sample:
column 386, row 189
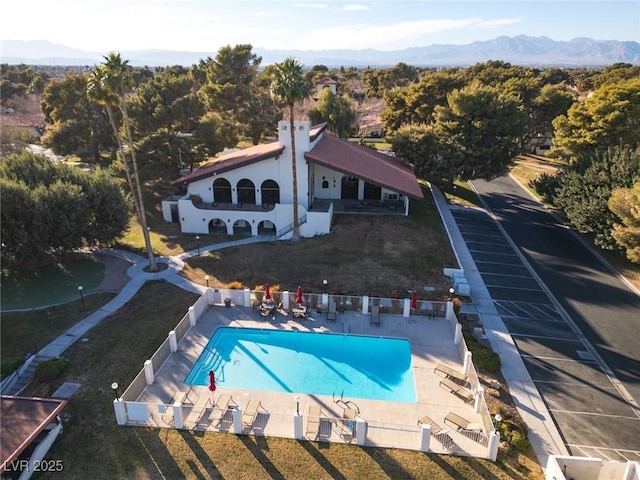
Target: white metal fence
column 204, row 416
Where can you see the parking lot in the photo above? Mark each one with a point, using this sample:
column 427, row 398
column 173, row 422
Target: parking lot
column 592, row 416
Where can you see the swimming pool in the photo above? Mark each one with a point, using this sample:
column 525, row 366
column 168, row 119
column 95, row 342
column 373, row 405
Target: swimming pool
column 355, row 366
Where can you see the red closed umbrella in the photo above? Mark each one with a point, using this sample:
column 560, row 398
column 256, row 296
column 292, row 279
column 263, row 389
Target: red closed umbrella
column 414, row 299
column 267, row 293
column 212, row 381
column 299, row 300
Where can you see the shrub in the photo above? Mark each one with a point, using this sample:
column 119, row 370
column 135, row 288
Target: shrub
column 235, row 285
column 51, row 369
column 515, row 437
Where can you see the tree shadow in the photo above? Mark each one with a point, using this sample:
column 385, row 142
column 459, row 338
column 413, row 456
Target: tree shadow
column 321, row 459
column 270, row 469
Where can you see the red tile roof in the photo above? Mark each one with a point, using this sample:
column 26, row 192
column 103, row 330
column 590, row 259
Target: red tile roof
column 23, row 418
column 232, row 161
column 365, row 163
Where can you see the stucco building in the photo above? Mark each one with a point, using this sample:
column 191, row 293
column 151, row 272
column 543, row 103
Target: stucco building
column 250, row 191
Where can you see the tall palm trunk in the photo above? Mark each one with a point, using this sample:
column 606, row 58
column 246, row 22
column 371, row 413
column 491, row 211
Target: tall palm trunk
column 138, row 190
column 112, row 120
column 294, row 175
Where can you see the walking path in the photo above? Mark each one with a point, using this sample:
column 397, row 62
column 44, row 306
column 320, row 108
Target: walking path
column 543, row 433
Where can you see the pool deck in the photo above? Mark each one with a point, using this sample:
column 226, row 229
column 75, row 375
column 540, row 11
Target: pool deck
column 431, row 343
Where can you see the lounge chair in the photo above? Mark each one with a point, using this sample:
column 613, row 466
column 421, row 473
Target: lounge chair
column 220, row 408
column 448, row 372
column 349, row 418
column 375, row 315
column 250, row 413
column 313, row 422
column 435, row 428
column 331, row 314
column 460, row 423
column 457, row 390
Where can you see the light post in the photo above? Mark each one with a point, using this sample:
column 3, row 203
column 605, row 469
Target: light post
column 498, row 418
column 324, row 284
column 114, row 387
column 80, row 288
column 297, row 398
column 451, row 292
column 198, row 243
column 206, row 277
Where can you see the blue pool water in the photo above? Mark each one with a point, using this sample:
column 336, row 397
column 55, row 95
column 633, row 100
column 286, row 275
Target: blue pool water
column 310, row 363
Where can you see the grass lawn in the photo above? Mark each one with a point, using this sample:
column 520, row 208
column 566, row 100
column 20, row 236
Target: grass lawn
column 50, row 284
column 92, row 445
column 27, row 332
column 382, row 256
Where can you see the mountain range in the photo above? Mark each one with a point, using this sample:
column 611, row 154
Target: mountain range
column 521, row 50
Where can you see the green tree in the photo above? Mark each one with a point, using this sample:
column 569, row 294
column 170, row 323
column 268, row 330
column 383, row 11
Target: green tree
column 164, row 113
column 609, row 117
column 480, row 129
column 289, row 86
column 234, row 89
column 582, row 192
column 418, row 146
column 74, row 125
column 49, row 207
column 113, row 83
column 625, row 203
column 336, row 111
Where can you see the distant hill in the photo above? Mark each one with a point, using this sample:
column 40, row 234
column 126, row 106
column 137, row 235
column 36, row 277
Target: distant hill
column 521, row 50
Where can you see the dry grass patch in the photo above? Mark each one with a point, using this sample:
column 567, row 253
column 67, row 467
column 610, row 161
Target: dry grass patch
column 373, row 255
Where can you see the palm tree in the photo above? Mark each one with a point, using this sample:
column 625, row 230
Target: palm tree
column 289, row 85
column 109, row 85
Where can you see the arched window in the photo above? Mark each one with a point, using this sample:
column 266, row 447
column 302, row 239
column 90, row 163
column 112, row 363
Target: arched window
column 325, row 183
column 246, row 192
column 270, row 192
column 221, row 190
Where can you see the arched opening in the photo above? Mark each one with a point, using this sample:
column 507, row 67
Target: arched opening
column 372, row 192
column 217, row 226
column 246, row 192
column 349, row 189
column 265, row 227
column 270, row 192
column 221, row 191
column 242, row 227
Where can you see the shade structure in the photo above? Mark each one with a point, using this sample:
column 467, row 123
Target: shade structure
column 267, row 292
column 212, row 381
column 414, row 299
column 299, row 300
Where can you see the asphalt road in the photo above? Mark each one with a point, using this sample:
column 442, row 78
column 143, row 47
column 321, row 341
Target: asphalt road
column 576, row 325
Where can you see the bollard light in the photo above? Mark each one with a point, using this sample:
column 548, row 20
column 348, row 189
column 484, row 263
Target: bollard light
column 114, row 387
column 80, row 289
column 206, row 277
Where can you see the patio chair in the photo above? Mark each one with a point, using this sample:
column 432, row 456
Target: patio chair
column 375, row 315
column 331, row 313
column 458, row 390
column 221, row 406
column 448, row 372
column 435, row 428
column 460, row 423
column 313, row 422
column 250, row 413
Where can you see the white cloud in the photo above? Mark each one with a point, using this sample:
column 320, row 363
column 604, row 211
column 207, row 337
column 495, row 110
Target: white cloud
column 355, row 7
column 310, row 5
column 392, row 36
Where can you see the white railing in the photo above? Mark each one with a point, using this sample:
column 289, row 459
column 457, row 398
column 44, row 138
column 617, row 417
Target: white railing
column 161, row 355
column 182, row 328
column 206, row 417
column 390, row 435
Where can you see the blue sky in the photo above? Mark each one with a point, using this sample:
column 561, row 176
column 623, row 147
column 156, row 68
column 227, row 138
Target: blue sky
column 206, row 25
